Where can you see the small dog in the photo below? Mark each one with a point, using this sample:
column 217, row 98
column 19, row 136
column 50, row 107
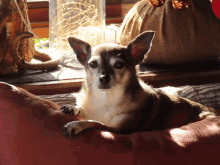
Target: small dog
column 113, row 98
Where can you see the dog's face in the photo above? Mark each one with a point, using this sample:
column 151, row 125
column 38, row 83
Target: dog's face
column 110, row 65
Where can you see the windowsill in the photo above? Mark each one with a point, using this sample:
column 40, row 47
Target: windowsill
column 154, row 79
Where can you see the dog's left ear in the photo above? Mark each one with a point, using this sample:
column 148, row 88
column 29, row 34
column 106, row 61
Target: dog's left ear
column 140, row 45
column 81, row 48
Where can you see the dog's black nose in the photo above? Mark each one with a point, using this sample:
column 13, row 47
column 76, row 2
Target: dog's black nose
column 104, row 79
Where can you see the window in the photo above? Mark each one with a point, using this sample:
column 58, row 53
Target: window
column 39, row 14
column 38, row 11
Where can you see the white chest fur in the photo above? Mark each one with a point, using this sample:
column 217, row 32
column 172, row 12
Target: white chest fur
column 103, row 105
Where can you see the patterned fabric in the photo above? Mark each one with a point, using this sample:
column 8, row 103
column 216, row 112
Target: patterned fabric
column 208, row 95
column 178, row 38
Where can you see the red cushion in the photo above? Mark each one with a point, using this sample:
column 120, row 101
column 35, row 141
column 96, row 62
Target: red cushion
column 216, row 7
column 31, row 135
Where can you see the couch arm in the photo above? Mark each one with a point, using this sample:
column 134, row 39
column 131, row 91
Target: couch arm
column 31, row 135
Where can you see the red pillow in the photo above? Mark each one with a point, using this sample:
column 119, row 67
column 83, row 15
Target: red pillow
column 31, row 135
column 216, row 7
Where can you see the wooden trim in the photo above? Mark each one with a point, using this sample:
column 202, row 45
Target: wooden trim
column 38, row 15
column 156, row 80
column 41, row 32
column 41, row 29
column 119, row 10
column 40, row 24
column 111, row 2
column 37, row 5
column 112, row 11
column 45, row 4
column 47, row 88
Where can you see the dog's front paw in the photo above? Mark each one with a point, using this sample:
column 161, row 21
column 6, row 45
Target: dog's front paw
column 72, row 128
column 71, row 110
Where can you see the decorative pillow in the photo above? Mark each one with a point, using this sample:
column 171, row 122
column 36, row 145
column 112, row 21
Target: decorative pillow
column 182, row 36
column 31, row 135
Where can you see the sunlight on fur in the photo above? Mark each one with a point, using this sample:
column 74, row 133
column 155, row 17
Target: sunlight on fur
column 107, row 135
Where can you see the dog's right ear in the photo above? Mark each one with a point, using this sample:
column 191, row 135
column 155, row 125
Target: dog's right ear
column 140, row 45
column 81, row 48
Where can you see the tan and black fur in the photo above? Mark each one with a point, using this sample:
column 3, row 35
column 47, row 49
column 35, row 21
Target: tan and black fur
column 114, row 98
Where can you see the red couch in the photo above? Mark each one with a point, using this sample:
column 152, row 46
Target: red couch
column 31, row 135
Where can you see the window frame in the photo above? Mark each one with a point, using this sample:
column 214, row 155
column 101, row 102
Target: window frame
column 39, row 15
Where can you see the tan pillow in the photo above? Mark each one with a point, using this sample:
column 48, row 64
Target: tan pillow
column 182, row 36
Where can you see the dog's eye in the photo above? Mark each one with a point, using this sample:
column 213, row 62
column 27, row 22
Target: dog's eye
column 93, row 64
column 119, row 65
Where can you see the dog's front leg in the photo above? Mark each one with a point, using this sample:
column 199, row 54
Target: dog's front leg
column 72, row 110
column 75, row 127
